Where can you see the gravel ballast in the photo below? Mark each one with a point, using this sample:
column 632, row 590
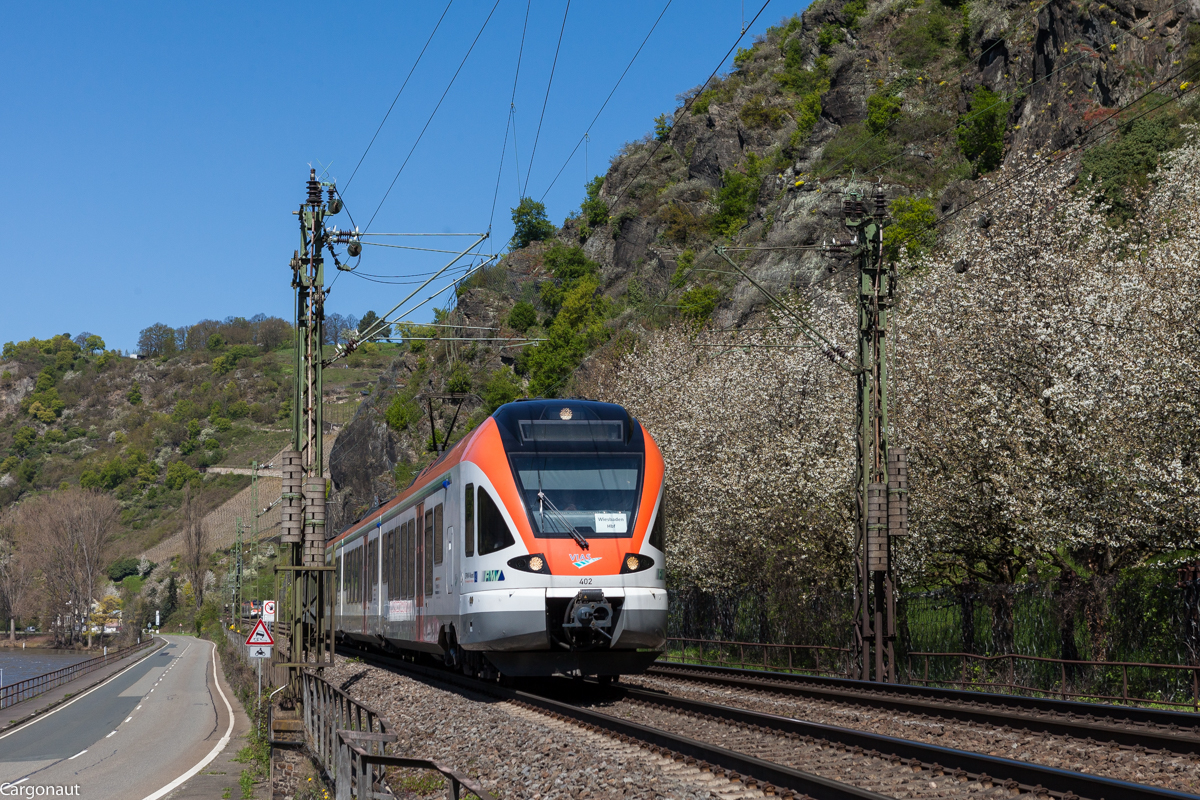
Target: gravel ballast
column 518, row 753
column 1170, row 770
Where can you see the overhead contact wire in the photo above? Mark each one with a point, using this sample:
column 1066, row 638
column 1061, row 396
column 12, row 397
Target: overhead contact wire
column 429, row 121
column 546, row 99
column 604, row 105
column 510, row 122
column 397, row 97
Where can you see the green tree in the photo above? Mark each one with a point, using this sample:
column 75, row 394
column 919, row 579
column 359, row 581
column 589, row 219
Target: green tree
column 522, row 317
column 23, row 441
column 595, row 210
column 368, row 320
column 981, row 131
column 134, row 395
column 93, row 344
column 157, row 341
column 178, row 474
column 215, row 343
column 530, row 223
column 663, row 125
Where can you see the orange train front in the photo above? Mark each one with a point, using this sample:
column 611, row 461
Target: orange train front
column 532, row 547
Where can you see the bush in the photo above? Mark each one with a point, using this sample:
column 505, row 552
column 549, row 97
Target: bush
column 981, row 132
column 1118, row 167
column 522, row 317
column 459, row 379
column 683, row 267
column 882, row 110
column 55, row 436
column 913, row 229
column 502, row 387
column 134, row 395
column 569, row 264
column 122, row 568
column 530, row 223
column 737, row 197
column 402, row 412
column 756, row 113
column 921, row 39
column 698, row 304
column 829, row 35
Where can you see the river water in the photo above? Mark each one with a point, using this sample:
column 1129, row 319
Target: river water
column 20, row 664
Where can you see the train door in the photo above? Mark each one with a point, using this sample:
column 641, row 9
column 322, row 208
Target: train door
column 467, row 574
column 418, row 572
column 435, row 564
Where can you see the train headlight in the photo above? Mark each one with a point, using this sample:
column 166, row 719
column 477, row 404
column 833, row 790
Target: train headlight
column 636, row 563
column 531, row 563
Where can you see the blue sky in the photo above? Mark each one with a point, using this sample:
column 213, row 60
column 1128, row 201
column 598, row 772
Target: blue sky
column 154, row 151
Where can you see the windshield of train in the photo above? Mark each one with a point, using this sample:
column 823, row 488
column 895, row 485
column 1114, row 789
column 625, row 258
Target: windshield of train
column 594, row 493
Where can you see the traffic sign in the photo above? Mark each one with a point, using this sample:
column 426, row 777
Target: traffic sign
column 260, row 635
column 268, row 614
column 260, row 651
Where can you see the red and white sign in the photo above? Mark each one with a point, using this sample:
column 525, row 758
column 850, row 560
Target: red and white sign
column 268, row 614
column 260, row 635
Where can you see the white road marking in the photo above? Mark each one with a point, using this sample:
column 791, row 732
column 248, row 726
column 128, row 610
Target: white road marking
column 41, row 717
column 139, row 706
column 114, row 733
column 77, row 755
column 170, row 787
column 128, row 718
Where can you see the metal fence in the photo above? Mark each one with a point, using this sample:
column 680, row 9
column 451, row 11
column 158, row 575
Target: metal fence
column 810, row 659
column 1175, row 685
column 350, row 739
column 31, row 687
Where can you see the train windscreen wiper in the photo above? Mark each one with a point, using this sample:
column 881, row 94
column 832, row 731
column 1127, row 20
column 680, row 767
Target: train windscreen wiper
column 557, row 515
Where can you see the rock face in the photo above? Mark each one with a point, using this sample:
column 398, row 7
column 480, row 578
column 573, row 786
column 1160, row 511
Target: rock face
column 362, row 459
column 1062, row 68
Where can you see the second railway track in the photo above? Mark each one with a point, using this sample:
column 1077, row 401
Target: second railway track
column 1149, row 729
column 783, row 755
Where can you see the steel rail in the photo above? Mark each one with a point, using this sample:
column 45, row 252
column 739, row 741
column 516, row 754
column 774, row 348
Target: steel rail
column 744, row 766
column 1031, row 777
column 1176, row 731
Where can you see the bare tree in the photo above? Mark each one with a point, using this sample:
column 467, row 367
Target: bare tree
column 195, row 544
column 69, row 531
column 16, row 577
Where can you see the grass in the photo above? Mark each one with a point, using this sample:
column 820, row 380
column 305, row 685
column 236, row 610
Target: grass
column 421, row 783
column 254, row 443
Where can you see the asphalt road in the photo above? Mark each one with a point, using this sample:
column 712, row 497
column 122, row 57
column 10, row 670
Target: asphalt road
column 134, row 736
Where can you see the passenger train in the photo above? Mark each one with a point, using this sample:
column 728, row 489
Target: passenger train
column 532, row 547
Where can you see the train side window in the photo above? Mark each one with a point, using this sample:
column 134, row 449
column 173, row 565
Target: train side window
column 469, row 521
column 658, row 535
column 437, row 534
column 494, row 534
column 429, row 553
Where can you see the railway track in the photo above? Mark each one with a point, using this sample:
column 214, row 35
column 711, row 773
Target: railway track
column 784, row 756
column 1151, row 729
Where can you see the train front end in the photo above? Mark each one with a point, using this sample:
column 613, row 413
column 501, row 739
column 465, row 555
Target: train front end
column 581, row 589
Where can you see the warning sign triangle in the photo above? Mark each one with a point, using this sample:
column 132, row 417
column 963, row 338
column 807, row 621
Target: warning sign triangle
column 260, row 635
